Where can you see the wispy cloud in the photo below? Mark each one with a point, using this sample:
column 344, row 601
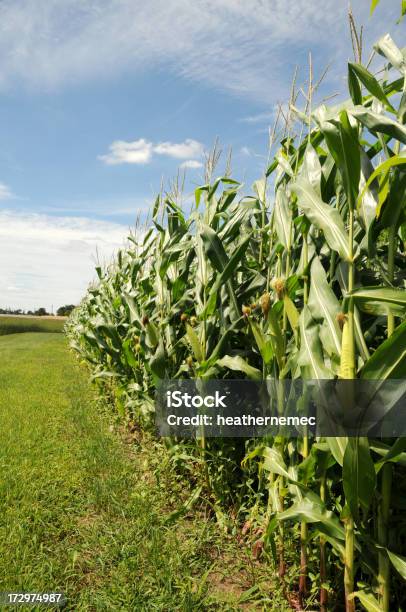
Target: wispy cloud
column 5, row 192
column 260, row 118
column 192, row 163
column 248, row 47
column 50, row 260
column 141, row 151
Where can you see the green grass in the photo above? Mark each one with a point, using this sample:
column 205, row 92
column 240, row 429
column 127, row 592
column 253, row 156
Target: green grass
column 22, row 324
column 83, row 510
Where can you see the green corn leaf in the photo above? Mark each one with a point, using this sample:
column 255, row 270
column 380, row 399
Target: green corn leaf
column 337, row 446
column 97, row 340
column 386, row 47
column 322, row 216
column 213, row 248
column 220, row 346
column 225, row 275
column 198, row 193
column 174, row 251
column 105, row 374
column 308, row 511
column 259, row 187
column 398, row 562
column 110, row 332
column 237, row 216
column 378, row 123
column 382, row 449
column 221, row 179
column 155, row 209
column 368, row 600
column 354, row 86
column 379, row 300
column 359, row 476
column 359, row 336
column 276, row 336
column 351, row 160
column 394, row 451
column 374, row 4
column 283, row 218
column 194, row 343
column 157, row 364
column 284, row 164
column 324, row 308
column 218, row 257
column 312, row 167
column 370, row 82
column 396, row 160
column 291, row 311
column 129, row 355
column 367, row 202
column 152, row 334
column 392, row 212
column 401, row 115
column 272, row 460
column 264, row 344
column 342, row 140
column 389, row 359
column 239, row 364
column 310, row 357
column 305, row 258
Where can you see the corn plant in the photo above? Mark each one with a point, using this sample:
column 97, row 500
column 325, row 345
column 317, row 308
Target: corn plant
column 302, row 279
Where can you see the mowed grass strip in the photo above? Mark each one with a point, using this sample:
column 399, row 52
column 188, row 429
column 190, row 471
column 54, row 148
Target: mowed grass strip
column 24, row 323
column 82, row 512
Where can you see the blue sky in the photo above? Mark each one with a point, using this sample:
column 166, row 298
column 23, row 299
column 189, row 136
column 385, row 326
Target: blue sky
column 102, row 99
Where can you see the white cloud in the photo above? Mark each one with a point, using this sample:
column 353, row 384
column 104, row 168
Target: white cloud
column 248, row 47
column 5, row 192
column 182, row 150
column 48, row 260
column 191, row 163
column 121, row 152
column 141, row 151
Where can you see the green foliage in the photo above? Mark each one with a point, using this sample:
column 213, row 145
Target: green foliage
column 64, row 311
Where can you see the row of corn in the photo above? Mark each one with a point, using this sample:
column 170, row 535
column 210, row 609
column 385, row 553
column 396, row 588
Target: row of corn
column 304, row 278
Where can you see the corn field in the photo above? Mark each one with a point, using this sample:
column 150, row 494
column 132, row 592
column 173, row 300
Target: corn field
column 303, row 278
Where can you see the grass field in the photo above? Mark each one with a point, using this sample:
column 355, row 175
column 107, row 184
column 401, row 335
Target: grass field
column 21, row 324
column 84, row 511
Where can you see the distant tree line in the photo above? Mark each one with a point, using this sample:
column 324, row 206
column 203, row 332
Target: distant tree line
column 63, row 311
